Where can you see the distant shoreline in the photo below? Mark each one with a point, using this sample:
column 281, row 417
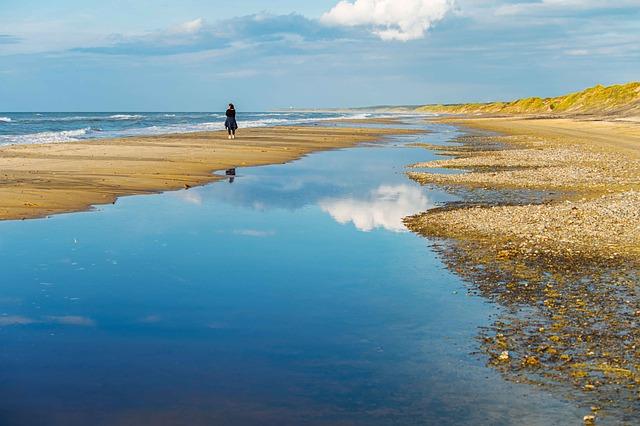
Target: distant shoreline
column 611, row 102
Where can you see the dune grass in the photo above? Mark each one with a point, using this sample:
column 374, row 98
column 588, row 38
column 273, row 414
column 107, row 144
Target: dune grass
column 621, row 99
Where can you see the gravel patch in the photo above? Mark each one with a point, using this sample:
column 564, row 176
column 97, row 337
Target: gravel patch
column 550, row 231
column 601, row 218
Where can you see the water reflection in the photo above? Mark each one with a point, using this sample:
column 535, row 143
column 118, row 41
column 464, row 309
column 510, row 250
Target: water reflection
column 249, row 304
column 384, row 207
column 355, row 197
column 569, row 324
column 231, row 174
column 193, row 196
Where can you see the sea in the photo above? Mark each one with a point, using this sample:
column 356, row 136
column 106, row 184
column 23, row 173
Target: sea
column 54, row 127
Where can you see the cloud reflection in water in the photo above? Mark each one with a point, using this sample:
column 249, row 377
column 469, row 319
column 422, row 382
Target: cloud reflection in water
column 384, row 207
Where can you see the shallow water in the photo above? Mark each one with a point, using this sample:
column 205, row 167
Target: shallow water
column 291, row 295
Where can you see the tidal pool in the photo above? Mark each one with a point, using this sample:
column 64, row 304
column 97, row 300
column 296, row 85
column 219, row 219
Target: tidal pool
column 288, row 294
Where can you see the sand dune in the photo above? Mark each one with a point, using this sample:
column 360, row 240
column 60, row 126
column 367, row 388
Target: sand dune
column 621, row 100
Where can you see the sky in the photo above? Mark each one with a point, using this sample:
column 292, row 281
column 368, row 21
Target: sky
column 198, row 55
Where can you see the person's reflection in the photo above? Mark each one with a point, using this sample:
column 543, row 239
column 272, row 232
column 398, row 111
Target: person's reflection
column 231, row 173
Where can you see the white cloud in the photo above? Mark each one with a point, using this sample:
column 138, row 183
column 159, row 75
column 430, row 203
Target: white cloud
column 390, row 19
column 189, row 27
column 385, row 207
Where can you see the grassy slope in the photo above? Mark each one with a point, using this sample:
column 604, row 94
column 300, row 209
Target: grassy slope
column 622, row 100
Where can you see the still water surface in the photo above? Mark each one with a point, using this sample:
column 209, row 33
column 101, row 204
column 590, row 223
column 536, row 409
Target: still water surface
column 292, row 295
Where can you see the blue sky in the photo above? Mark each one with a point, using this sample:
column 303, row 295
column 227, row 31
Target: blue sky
column 197, row 55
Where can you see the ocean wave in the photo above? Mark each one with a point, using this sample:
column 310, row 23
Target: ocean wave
column 43, row 118
column 125, row 117
column 219, row 125
column 168, row 129
column 47, row 137
column 71, row 118
column 361, row 116
column 35, row 130
column 5, row 120
column 195, row 127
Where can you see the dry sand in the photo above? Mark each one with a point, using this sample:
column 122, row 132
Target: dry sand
column 594, row 135
column 45, row 179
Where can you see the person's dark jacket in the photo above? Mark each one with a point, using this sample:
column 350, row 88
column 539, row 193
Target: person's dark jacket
column 231, row 122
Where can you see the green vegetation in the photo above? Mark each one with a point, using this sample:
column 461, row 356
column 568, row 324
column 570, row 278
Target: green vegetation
column 622, row 99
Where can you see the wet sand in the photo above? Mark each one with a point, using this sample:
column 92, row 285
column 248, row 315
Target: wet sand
column 45, row 179
column 593, row 165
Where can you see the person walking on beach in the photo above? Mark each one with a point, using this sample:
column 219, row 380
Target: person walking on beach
column 231, row 124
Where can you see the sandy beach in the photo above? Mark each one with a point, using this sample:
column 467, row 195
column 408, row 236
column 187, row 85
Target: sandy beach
column 44, row 179
column 594, row 135
column 593, row 165
column 347, row 212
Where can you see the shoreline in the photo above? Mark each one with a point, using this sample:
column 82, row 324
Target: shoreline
column 592, row 168
column 41, row 180
column 561, row 260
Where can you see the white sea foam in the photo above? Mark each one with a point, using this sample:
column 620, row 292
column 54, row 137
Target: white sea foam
column 126, row 117
column 45, row 137
column 361, row 116
column 5, row 120
column 200, row 127
column 43, row 118
column 219, row 125
column 172, row 128
column 246, row 120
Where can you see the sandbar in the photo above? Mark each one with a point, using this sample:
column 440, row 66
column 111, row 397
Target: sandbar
column 45, row 179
